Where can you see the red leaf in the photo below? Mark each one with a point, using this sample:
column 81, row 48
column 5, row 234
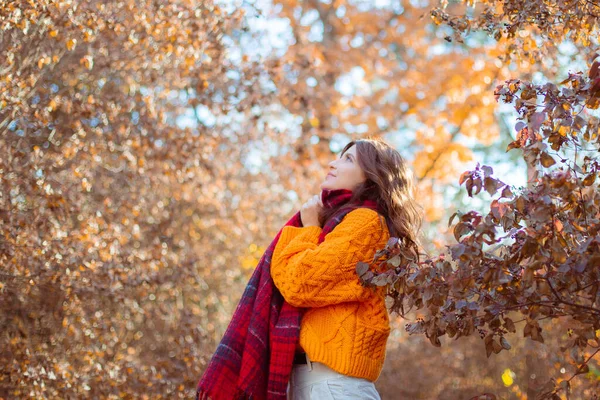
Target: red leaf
column 463, row 177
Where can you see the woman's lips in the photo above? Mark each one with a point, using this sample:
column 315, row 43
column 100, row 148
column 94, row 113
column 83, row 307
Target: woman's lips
column 330, row 174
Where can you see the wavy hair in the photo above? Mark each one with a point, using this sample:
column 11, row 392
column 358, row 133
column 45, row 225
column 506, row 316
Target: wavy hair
column 390, row 183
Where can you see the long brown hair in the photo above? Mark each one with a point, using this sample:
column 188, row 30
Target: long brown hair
column 390, row 184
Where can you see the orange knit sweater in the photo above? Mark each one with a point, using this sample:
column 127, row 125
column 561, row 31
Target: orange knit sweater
column 347, row 325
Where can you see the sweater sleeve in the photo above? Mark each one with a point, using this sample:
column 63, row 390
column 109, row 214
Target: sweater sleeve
column 309, row 274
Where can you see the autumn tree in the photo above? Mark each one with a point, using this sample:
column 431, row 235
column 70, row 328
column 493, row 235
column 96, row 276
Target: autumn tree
column 535, row 254
column 361, row 69
column 117, row 214
column 151, row 150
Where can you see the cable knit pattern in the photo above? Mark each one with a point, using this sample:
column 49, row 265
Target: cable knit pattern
column 347, row 324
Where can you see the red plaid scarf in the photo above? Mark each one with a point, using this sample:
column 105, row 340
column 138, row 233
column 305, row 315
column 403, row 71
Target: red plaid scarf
column 255, row 356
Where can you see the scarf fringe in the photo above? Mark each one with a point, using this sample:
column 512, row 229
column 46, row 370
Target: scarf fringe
column 202, row 395
column 239, row 395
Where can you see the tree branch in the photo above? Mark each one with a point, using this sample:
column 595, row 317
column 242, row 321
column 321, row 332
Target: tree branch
column 560, row 299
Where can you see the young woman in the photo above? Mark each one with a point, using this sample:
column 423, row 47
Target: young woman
column 344, row 326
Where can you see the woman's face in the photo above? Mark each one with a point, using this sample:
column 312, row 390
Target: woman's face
column 344, row 172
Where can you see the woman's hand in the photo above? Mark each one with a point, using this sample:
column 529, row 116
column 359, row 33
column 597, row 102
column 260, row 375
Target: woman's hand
column 309, row 213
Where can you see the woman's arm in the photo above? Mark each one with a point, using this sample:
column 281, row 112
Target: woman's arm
column 309, row 274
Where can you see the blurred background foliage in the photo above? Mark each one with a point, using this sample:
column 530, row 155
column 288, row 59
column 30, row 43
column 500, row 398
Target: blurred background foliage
column 151, row 150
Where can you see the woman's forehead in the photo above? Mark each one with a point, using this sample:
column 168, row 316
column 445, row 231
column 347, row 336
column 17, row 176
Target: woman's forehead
column 351, row 149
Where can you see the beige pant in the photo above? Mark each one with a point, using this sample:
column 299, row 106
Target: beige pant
column 316, row 381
